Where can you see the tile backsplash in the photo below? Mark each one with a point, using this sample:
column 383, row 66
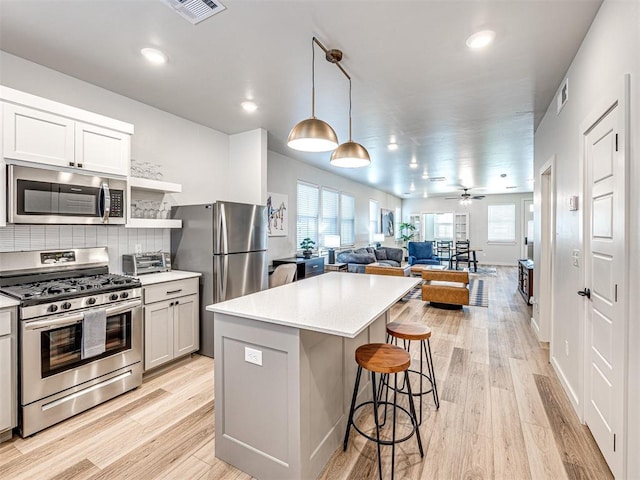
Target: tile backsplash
column 118, row 239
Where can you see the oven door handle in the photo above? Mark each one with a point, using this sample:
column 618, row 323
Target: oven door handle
column 77, row 317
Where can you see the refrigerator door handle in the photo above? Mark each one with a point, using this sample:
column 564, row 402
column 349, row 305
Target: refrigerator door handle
column 224, row 268
column 223, row 241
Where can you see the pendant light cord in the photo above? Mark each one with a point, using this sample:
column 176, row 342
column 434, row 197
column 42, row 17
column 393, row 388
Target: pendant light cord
column 350, row 139
column 313, row 79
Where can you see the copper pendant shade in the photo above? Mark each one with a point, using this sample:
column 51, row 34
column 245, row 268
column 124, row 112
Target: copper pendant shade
column 315, row 135
column 350, row 155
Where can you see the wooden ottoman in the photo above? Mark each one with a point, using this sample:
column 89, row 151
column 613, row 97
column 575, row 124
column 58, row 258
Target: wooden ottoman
column 383, row 269
column 445, row 288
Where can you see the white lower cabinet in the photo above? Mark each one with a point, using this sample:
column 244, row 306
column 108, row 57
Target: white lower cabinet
column 8, row 372
column 171, row 326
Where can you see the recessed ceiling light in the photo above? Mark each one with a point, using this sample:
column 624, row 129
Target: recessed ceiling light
column 249, row 106
column 413, row 165
column 412, row 187
column 425, row 176
column 153, row 55
column 392, row 146
column 481, row 39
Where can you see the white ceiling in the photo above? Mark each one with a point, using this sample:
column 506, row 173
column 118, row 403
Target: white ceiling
column 468, row 116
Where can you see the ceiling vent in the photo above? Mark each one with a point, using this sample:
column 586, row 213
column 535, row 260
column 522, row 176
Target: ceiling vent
column 195, row 10
column 437, row 179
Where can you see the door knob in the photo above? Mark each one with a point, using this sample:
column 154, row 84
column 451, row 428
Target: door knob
column 585, row 293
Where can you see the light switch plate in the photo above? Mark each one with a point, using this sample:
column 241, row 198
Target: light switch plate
column 575, row 258
column 251, row 355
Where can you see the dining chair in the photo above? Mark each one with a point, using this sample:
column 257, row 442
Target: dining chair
column 283, row 274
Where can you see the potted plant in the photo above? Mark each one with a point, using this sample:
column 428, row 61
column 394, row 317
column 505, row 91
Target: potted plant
column 307, row 246
column 406, row 234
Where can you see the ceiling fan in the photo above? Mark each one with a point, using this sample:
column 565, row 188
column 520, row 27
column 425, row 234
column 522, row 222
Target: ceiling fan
column 465, row 197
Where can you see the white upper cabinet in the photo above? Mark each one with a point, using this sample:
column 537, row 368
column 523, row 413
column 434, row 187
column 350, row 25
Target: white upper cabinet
column 102, row 150
column 40, row 130
column 37, row 136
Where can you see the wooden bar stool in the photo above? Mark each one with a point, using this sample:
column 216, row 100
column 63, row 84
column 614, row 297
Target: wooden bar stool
column 408, row 332
column 384, row 359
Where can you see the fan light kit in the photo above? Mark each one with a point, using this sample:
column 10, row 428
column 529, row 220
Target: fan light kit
column 315, row 135
column 465, row 198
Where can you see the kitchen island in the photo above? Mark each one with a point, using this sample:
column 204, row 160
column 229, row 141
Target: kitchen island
column 285, row 368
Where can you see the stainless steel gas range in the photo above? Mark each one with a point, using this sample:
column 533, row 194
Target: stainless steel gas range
column 62, row 294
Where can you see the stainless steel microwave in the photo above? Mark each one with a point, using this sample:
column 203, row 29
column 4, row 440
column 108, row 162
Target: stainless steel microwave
column 37, row 195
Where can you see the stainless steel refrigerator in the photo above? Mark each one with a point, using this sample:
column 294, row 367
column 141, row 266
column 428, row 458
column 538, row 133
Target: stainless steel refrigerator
column 227, row 243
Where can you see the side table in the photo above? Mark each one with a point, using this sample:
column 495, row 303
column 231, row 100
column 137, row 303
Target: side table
column 335, row 267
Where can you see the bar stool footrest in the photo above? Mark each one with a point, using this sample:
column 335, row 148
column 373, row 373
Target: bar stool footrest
column 386, row 442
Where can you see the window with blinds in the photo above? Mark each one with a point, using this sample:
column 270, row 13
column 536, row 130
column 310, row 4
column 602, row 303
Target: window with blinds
column 501, row 226
column 308, row 212
column 329, row 219
column 347, row 219
column 374, row 225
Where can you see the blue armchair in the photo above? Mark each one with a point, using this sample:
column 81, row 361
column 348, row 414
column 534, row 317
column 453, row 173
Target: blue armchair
column 422, row 253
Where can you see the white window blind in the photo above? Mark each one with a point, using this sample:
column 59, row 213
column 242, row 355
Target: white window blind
column 308, row 211
column 501, row 225
column 329, row 222
column 374, row 226
column 347, row 219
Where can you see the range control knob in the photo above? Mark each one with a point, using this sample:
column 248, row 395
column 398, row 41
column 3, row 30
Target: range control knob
column 113, row 296
column 124, row 295
column 65, row 306
column 52, row 308
column 91, row 300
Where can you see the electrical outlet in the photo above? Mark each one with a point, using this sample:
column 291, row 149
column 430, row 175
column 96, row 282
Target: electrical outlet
column 251, row 355
column 138, row 248
column 566, row 347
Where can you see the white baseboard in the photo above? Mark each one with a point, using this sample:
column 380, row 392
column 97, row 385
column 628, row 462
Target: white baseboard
column 573, row 398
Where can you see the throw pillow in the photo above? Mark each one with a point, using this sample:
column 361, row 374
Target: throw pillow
column 381, row 254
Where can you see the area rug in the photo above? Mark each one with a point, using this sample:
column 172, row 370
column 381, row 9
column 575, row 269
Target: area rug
column 478, row 295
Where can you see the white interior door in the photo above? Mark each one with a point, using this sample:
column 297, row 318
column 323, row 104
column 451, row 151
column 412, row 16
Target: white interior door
column 605, row 266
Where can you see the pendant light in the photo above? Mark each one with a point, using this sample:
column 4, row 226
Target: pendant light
column 350, row 154
column 313, row 134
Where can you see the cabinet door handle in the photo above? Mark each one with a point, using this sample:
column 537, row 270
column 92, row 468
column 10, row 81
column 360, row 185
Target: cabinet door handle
column 177, row 303
column 171, row 292
column 71, row 164
column 79, row 165
column 171, row 304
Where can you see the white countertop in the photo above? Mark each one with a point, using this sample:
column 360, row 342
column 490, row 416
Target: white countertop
column 336, row 303
column 161, row 277
column 6, row 302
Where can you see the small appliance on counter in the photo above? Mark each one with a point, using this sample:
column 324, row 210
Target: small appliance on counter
column 140, row 263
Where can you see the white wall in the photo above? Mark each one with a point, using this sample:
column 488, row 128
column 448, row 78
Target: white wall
column 283, row 175
column 610, row 50
column 248, row 167
column 492, row 254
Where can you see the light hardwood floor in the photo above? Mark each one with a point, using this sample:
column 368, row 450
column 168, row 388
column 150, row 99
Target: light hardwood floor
column 502, row 415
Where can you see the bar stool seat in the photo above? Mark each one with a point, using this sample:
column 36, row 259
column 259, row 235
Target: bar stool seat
column 379, row 358
column 384, row 359
column 408, row 332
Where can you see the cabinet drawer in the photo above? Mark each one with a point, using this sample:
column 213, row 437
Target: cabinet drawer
column 169, row 290
column 5, row 322
column 314, row 266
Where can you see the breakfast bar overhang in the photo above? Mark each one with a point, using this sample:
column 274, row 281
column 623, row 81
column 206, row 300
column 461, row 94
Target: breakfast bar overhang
column 284, row 369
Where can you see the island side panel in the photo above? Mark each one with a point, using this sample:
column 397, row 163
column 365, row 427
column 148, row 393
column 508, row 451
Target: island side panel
column 328, row 371
column 257, row 407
